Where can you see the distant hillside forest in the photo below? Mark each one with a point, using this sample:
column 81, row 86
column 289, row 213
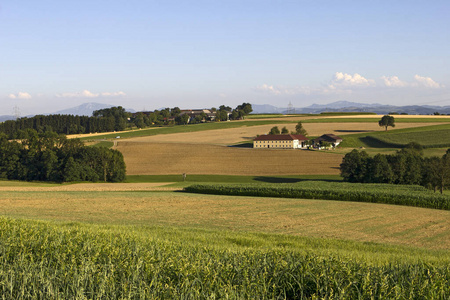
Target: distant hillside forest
column 52, row 157
column 117, row 119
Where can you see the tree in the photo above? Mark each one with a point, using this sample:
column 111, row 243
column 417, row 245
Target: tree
column 431, row 173
column 300, row 130
column 244, row 109
column 284, row 130
column 354, row 166
column 274, row 130
column 182, row 119
column 379, row 170
column 386, row 121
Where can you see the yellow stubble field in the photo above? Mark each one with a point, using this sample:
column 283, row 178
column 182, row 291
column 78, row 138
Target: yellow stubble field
column 236, row 135
column 147, row 158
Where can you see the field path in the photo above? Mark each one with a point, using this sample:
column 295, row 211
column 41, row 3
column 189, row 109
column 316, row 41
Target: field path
column 91, row 187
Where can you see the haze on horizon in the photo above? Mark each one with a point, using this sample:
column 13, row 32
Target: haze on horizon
column 152, row 54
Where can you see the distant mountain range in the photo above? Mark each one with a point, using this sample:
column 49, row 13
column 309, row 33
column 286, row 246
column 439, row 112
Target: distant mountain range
column 86, row 109
column 346, row 106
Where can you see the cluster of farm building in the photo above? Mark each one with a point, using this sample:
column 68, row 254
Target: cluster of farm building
column 295, row 141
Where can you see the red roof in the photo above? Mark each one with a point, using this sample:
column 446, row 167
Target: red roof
column 280, row 137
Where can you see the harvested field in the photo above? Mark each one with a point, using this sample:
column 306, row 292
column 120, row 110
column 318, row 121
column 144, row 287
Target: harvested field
column 367, row 222
column 143, row 158
column 245, row 133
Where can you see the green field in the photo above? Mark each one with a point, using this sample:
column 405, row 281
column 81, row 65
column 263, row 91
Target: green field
column 434, row 135
column 375, row 120
column 47, row 260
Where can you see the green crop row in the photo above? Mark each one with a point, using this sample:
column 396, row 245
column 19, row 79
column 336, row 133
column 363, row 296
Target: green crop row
column 40, row 260
column 375, row 193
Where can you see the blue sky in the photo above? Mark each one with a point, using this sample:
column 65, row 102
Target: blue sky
column 195, row 54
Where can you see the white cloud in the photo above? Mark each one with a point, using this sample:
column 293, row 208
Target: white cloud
column 347, row 84
column 270, row 89
column 346, row 80
column 393, row 81
column 427, row 82
column 115, row 94
column 20, row 95
column 88, row 94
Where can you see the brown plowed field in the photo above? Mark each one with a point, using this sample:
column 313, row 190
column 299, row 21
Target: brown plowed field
column 144, row 158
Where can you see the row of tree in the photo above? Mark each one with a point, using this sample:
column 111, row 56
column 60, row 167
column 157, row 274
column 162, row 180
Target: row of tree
column 52, row 157
column 406, row 166
column 115, row 119
column 105, row 120
column 174, row 116
column 298, row 130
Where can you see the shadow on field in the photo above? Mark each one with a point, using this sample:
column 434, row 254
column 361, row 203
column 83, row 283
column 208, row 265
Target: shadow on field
column 269, row 179
column 277, row 179
column 344, row 130
column 375, row 143
column 242, row 145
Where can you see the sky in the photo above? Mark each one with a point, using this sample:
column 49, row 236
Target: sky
column 148, row 54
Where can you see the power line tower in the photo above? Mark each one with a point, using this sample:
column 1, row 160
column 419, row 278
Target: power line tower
column 290, row 109
column 16, row 112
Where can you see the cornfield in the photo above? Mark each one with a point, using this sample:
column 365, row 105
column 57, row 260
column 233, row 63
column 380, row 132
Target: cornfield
column 374, row 193
column 51, row 261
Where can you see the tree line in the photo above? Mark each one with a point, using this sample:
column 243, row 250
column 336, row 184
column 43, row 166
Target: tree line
column 406, row 166
column 50, row 156
column 104, row 120
column 115, row 119
column 298, row 130
column 174, row 116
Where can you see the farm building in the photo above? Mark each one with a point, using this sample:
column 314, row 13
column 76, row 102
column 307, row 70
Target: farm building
column 334, row 140
column 283, row 141
column 192, row 113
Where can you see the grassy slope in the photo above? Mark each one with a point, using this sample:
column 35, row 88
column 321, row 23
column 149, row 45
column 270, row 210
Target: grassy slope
column 361, row 140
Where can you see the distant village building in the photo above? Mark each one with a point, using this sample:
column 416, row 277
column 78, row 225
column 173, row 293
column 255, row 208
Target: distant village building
column 280, row 141
column 332, row 139
column 192, row 113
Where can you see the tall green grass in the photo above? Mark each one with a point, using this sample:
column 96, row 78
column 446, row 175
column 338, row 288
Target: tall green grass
column 40, row 260
column 375, row 193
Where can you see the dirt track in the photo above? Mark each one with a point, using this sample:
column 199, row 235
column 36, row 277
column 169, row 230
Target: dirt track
column 91, row 187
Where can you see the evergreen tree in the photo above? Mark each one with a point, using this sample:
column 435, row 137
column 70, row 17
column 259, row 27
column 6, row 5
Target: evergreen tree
column 274, row 130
